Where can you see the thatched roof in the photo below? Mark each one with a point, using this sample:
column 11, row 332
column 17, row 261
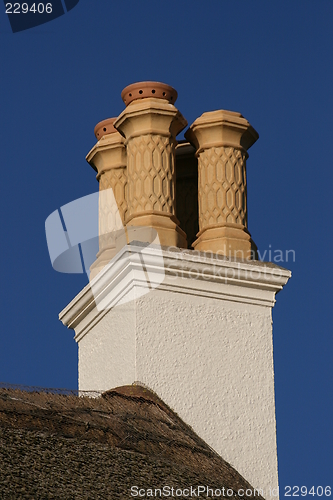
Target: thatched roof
column 68, row 447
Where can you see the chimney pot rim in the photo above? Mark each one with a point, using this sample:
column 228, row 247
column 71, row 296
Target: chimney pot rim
column 142, row 90
column 105, row 127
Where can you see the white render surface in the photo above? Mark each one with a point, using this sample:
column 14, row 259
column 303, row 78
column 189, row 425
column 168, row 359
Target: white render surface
column 102, row 356
column 201, row 339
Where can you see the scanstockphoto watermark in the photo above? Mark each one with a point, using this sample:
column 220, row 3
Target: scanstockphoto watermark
column 29, row 14
column 198, row 491
column 208, row 265
column 83, row 229
column 223, row 274
column 213, row 492
column 276, row 256
column 77, row 233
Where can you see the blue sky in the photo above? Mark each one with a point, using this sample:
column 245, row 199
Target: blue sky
column 271, row 61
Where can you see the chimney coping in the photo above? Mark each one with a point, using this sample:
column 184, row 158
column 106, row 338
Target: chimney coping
column 253, row 282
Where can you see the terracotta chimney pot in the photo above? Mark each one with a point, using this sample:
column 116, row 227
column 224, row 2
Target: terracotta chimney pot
column 141, row 90
column 150, row 125
column 108, row 158
column 105, row 127
column 222, row 139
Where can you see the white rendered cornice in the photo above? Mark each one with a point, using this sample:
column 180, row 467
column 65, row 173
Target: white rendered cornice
column 137, row 270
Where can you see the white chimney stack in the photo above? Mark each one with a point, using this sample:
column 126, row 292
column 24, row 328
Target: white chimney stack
column 195, row 326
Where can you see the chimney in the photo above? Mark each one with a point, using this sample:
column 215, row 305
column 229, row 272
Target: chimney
column 194, row 326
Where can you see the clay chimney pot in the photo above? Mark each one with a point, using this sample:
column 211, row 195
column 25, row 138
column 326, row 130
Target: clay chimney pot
column 221, row 139
column 142, row 90
column 104, row 127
